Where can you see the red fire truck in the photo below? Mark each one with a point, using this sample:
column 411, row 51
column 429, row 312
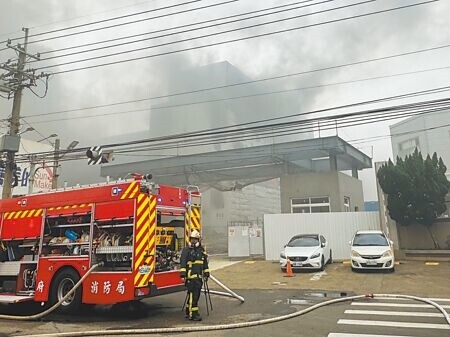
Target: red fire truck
column 48, row 241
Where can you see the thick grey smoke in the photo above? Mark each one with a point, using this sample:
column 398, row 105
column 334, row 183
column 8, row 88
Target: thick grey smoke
column 317, row 47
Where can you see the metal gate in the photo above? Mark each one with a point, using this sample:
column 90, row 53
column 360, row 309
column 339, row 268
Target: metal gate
column 245, row 238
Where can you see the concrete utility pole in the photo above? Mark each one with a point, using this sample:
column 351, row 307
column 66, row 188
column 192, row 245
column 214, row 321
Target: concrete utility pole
column 55, row 165
column 13, row 81
column 15, row 118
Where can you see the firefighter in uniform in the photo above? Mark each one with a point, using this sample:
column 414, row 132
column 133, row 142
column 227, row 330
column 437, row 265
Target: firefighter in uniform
column 194, row 267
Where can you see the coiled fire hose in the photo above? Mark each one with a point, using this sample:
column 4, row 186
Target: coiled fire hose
column 56, row 305
column 237, row 325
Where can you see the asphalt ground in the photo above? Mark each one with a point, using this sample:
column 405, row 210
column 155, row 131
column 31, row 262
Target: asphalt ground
column 268, row 294
column 410, row 277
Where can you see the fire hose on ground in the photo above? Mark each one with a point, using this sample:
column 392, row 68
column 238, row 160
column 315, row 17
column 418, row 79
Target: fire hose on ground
column 239, row 325
column 56, row 305
column 229, row 293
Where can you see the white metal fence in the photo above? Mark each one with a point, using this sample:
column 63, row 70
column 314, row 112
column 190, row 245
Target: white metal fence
column 338, row 228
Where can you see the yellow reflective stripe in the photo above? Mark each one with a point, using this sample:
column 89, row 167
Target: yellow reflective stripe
column 191, row 277
column 194, row 308
column 128, row 190
column 206, row 270
column 24, row 214
column 190, row 263
column 182, row 269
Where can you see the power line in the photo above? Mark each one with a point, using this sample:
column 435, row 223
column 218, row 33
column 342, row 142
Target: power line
column 78, row 17
column 141, row 20
column 105, row 20
column 228, row 98
column 364, row 120
column 178, row 27
column 307, row 125
column 252, row 81
column 205, row 36
column 195, row 29
column 232, row 129
column 233, row 40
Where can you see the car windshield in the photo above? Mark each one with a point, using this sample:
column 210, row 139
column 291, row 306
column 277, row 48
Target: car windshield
column 304, row 241
column 374, row 239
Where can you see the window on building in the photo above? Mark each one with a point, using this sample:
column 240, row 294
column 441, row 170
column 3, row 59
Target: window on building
column 347, row 206
column 310, row 205
column 408, row 146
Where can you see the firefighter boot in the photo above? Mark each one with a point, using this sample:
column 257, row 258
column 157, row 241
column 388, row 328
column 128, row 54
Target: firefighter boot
column 195, row 316
column 186, row 313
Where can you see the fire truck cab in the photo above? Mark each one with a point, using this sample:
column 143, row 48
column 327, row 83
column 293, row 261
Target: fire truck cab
column 134, row 228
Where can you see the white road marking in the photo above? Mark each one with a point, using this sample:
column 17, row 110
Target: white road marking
column 395, row 324
column 393, row 313
column 338, row 334
column 317, row 276
column 398, row 305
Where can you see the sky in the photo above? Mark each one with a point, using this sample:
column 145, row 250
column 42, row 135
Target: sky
column 319, row 46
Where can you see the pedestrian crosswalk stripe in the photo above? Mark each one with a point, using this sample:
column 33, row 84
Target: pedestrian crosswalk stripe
column 393, row 313
column 340, row 334
column 399, row 305
column 395, row 324
column 406, row 299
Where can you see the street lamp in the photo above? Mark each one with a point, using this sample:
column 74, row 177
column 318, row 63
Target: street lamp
column 55, row 165
column 51, row 136
column 56, row 159
column 30, row 128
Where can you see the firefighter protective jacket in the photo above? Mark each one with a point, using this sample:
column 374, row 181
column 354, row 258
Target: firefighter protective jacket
column 194, row 263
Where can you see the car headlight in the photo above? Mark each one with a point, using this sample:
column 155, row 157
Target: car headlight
column 355, row 253
column 283, row 255
column 315, row 255
column 387, row 253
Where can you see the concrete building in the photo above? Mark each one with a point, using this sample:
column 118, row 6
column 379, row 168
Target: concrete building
column 321, row 192
column 428, row 133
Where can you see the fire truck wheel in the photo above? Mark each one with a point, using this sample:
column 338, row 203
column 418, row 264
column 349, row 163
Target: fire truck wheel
column 64, row 280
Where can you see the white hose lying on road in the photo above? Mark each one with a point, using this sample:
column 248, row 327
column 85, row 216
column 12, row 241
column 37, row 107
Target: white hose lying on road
column 235, row 325
column 53, row 307
column 223, row 286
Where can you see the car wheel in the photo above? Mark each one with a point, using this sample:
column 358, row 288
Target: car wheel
column 354, row 270
column 330, row 260
column 391, row 270
column 61, row 285
column 322, row 263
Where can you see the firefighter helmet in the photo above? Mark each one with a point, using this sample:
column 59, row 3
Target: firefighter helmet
column 195, row 234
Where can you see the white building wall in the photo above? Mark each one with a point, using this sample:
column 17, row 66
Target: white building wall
column 338, row 228
column 248, row 204
column 430, row 133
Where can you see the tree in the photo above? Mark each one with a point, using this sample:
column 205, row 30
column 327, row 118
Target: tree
column 416, row 189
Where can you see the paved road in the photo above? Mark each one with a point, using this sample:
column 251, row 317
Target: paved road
column 387, row 317
column 374, row 317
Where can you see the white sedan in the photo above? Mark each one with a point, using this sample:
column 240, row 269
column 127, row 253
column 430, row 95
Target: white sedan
column 372, row 250
column 306, row 251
